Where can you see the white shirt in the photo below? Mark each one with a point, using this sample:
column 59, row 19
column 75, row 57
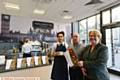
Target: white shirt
column 26, row 48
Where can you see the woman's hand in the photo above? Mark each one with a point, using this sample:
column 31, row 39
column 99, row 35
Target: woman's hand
column 84, row 71
column 57, row 53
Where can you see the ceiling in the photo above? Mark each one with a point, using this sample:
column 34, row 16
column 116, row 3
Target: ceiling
column 54, row 8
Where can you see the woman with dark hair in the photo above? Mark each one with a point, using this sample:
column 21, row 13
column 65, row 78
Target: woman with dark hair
column 60, row 68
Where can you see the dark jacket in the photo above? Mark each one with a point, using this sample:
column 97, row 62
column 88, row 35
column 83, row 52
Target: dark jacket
column 95, row 62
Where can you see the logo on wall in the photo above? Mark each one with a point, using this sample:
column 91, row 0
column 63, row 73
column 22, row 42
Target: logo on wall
column 42, row 27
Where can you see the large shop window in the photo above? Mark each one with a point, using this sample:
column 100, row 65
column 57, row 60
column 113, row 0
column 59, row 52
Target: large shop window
column 113, row 43
column 83, row 30
column 91, row 22
column 98, row 21
column 106, row 17
column 75, row 26
column 116, row 14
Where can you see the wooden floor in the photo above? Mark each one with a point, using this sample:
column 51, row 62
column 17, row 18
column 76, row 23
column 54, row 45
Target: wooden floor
column 41, row 73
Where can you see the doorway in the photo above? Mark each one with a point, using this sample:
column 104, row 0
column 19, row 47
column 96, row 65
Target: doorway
column 113, row 43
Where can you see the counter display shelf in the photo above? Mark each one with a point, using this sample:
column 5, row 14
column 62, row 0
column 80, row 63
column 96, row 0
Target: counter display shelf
column 24, row 63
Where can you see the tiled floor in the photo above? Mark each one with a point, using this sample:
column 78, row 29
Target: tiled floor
column 42, row 72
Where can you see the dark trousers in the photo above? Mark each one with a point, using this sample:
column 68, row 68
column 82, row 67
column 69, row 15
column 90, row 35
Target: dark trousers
column 75, row 73
column 26, row 55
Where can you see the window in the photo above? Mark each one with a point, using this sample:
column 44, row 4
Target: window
column 91, row 22
column 98, row 21
column 75, row 27
column 106, row 17
column 83, row 30
column 116, row 14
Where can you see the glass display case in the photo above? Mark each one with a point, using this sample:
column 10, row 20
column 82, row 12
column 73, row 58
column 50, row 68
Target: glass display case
column 12, row 59
column 24, row 63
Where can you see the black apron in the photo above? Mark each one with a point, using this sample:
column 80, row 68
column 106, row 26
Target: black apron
column 60, row 69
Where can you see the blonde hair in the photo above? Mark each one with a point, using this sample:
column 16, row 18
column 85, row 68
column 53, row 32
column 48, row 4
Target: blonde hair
column 96, row 33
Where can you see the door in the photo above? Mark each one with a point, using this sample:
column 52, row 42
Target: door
column 113, row 43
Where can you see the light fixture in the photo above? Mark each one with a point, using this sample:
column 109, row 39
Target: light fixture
column 11, row 6
column 36, row 11
column 66, row 14
column 67, row 17
column 94, row 2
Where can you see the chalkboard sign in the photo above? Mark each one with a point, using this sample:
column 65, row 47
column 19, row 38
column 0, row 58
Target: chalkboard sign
column 42, row 25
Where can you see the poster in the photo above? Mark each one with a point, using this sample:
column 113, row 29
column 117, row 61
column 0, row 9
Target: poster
column 19, row 62
column 8, row 63
column 45, row 60
column 2, row 59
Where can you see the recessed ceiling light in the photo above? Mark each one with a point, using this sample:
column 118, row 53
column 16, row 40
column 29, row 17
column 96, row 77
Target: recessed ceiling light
column 67, row 17
column 36, row 11
column 11, row 5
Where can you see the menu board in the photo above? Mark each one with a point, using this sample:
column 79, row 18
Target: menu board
column 2, row 59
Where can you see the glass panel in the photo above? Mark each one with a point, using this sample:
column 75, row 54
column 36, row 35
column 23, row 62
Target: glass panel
column 98, row 21
column 108, row 44
column 106, row 17
column 83, row 31
column 113, row 43
column 91, row 22
column 116, row 14
column 75, row 26
column 116, row 46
